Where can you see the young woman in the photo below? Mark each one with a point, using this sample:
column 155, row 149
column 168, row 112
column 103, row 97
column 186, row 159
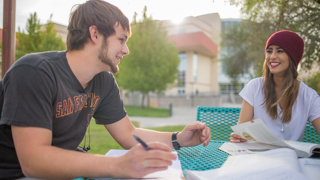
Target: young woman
column 279, row 99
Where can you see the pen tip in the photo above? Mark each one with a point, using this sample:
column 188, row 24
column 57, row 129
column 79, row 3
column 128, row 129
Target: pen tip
column 134, row 135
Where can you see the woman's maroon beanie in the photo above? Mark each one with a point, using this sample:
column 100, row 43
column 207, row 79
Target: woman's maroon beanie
column 291, row 42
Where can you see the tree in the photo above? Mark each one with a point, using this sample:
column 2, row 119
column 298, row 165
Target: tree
column 153, row 60
column 264, row 17
column 314, row 82
column 35, row 40
column 244, row 44
column 234, row 55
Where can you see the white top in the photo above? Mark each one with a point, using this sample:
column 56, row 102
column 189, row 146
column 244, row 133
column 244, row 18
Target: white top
column 305, row 108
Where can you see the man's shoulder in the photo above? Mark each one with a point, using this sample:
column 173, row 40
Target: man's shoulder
column 36, row 58
column 106, row 75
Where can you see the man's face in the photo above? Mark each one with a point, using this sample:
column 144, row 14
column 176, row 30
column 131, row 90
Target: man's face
column 114, row 48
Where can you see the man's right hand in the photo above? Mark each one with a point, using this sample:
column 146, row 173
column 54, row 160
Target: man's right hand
column 235, row 138
column 139, row 162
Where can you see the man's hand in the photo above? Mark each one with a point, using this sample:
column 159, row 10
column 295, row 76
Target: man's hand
column 139, row 162
column 194, row 134
column 235, row 138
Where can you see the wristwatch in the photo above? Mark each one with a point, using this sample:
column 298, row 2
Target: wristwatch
column 174, row 141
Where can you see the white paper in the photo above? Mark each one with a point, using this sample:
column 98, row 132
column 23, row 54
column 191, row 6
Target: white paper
column 116, row 152
column 256, row 130
column 303, row 146
column 274, row 164
column 174, row 171
column 310, row 167
column 245, row 148
column 249, row 172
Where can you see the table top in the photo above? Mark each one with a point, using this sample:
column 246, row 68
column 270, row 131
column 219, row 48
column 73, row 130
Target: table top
column 199, row 157
column 202, row 158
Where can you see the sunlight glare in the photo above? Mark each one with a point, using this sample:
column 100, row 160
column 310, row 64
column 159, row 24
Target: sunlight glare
column 176, row 19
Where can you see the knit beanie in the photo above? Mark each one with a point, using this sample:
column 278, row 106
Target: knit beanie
column 291, row 42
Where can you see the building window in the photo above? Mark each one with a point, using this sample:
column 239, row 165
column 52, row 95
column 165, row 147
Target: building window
column 195, row 67
column 182, row 74
column 182, row 31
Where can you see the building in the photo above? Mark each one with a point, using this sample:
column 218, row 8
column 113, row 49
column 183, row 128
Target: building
column 61, row 30
column 197, row 39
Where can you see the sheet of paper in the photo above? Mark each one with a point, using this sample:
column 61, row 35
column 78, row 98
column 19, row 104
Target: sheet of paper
column 280, row 157
column 274, row 164
column 116, row 152
column 249, row 172
column 174, row 171
column 234, row 150
column 304, row 146
column 310, row 167
column 256, row 130
column 245, row 147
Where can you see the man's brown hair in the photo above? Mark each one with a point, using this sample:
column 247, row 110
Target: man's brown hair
column 99, row 13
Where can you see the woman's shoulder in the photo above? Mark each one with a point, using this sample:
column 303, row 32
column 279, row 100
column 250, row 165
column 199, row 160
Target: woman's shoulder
column 306, row 90
column 256, row 82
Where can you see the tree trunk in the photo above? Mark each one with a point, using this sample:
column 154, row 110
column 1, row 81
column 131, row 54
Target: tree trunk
column 148, row 100
column 142, row 101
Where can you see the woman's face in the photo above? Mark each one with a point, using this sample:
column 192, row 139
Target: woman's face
column 277, row 60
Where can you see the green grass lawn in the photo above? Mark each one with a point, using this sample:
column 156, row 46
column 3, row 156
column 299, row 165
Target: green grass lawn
column 101, row 141
column 146, row 111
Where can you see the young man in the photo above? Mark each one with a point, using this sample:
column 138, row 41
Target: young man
column 49, row 98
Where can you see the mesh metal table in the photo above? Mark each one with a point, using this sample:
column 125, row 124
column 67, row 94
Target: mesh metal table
column 202, row 158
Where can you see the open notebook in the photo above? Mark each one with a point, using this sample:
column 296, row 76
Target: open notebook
column 261, row 138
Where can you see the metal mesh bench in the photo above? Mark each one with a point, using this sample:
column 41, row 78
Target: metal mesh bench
column 219, row 119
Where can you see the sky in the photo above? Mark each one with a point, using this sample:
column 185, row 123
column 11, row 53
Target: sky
column 159, row 9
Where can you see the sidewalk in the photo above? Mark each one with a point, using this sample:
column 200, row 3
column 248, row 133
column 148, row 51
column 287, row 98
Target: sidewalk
column 180, row 116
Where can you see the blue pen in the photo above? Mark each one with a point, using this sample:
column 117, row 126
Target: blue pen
column 141, row 142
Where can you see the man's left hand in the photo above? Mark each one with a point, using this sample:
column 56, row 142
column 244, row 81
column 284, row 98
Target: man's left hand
column 194, row 134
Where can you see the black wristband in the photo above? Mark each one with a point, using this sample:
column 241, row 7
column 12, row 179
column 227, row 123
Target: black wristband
column 174, row 141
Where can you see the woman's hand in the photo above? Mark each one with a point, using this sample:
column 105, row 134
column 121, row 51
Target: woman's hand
column 235, row 138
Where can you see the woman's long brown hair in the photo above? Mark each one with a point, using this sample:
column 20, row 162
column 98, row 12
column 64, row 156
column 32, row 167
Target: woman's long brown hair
column 288, row 93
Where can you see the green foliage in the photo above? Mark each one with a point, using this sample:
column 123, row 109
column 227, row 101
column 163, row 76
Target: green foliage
column 264, row 17
column 153, row 60
column 146, row 112
column 101, row 141
column 245, row 44
column 314, row 82
column 168, row 128
column 36, row 40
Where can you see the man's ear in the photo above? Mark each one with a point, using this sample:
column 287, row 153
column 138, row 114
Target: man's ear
column 94, row 33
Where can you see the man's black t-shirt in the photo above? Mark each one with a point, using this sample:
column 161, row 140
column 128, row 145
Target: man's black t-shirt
column 40, row 90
